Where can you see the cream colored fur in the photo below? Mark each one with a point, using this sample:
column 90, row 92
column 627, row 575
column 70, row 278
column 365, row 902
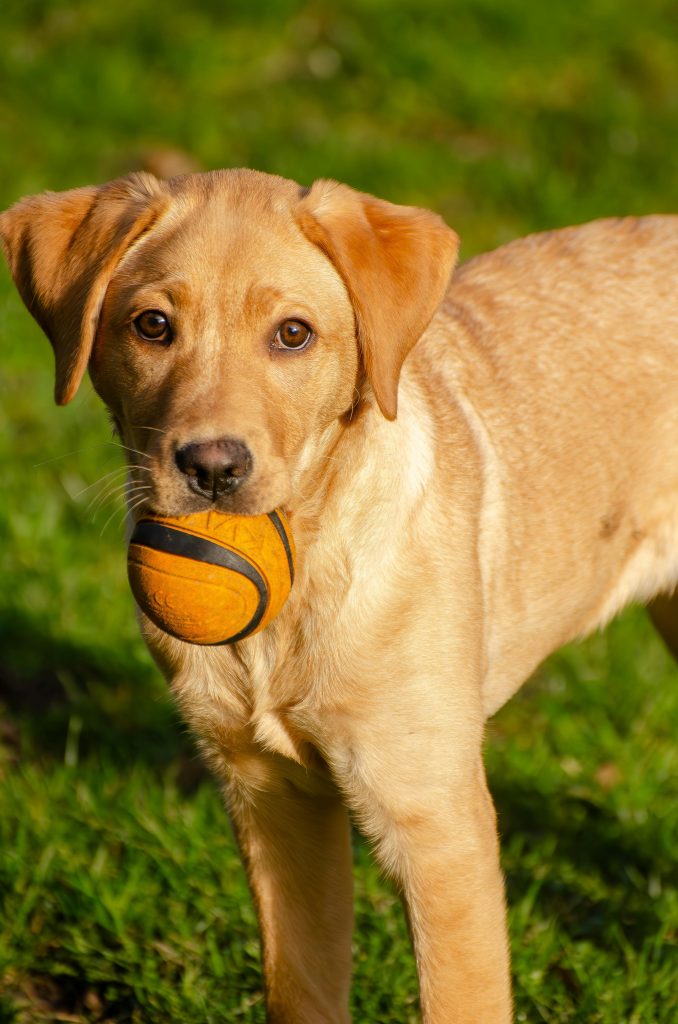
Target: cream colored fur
column 475, row 471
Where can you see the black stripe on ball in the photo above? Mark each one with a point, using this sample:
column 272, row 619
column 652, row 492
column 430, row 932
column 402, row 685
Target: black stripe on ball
column 277, row 522
column 165, row 538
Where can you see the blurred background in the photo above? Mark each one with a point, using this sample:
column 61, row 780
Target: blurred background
column 121, row 894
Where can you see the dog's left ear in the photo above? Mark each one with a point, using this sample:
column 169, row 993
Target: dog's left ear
column 63, row 248
column 396, row 263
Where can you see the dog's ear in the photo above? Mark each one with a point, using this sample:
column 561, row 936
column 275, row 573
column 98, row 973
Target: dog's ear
column 396, row 263
column 63, row 248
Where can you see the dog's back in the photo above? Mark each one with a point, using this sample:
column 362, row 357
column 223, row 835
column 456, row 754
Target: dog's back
column 561, row 350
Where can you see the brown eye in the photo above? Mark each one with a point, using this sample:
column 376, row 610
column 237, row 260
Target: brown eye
column 152, row 325
column 293, row 334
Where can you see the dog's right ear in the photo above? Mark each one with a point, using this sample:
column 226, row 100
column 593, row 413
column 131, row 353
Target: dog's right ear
column 63, row 248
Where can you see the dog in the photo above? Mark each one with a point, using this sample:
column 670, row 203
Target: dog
column 477, row 466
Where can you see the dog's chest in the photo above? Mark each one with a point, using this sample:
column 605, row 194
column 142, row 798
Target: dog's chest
column 359, row 570
column 278, row 690
column 266, row 695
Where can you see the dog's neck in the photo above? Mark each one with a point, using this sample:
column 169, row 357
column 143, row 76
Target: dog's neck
column 338, row 486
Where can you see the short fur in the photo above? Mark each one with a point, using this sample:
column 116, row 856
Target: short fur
column 475, row 471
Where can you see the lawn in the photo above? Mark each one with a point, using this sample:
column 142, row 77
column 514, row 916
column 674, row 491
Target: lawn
column 121, row 895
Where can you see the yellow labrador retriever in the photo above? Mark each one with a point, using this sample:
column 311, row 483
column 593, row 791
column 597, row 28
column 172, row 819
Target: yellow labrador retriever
column 477, row 468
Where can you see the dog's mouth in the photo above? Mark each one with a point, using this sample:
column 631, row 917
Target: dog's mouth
column 173, row 497
column 238, row 505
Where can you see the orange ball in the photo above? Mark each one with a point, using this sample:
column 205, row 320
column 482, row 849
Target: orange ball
column 211, row 578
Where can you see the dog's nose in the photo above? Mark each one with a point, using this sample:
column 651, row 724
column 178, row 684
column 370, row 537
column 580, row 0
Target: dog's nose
column 214, row 467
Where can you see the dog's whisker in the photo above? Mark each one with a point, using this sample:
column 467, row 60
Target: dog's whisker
column 107, row 490
column 113, row 472
column 76, row 451
column 132, row 509
column 125, row 510
column 101, row 486
column 132, row 451
column 142, row 493
column 127, row 489
column 112, row 515
column 113, row 493
column 142, row 499
column 97, row 503
column 139, row 426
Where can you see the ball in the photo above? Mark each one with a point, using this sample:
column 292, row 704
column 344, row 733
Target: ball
column 211, row 578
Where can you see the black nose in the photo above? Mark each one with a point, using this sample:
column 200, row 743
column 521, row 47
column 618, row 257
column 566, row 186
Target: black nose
column 214, row 467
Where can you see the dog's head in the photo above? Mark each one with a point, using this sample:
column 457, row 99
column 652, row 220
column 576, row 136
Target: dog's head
column 227, row 319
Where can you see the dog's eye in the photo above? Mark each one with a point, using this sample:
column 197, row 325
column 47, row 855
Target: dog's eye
column 152, row 325
column 293, row 334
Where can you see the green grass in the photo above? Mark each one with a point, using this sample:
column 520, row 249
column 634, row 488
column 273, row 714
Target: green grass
column 121, row 895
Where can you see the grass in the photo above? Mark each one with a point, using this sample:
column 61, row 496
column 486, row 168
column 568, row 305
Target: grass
column 121, row 895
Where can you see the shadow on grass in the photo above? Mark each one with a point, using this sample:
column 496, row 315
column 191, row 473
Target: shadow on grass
column 60, row 700
column 597, row 871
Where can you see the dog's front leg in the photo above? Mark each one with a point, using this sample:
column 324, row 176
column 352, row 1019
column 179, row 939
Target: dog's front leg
column 417, row 784
column 294, row 836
